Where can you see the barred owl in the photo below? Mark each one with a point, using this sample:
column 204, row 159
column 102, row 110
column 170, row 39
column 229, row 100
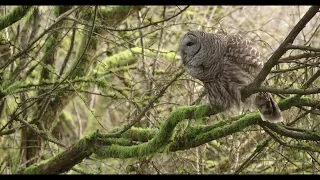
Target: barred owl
column 225, row 64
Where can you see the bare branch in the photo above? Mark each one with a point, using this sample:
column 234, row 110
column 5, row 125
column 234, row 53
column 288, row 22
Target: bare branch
column 60, row 18
column 130, row 29
column 299, row 56
column 304, row 48
column 146, row 108
column 302, row 147
column 289, row 91
column 288, row 133
column 273, row 60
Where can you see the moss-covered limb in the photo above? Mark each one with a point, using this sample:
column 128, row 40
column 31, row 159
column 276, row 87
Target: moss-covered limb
column 293, row 134
column 140, row 134
column 112, row 91
column 65, row 160
column 112, row 16
column 161, row 139
column 146, row 134
column 130, row 56
column 100, row 140
column 301, row 146
column 15, row 15
column 195, row 139
column 20, row 86
column 196, row 135
column 216, row 133
column 192, row 130
column 287, row 103
column 124, row 58
column 305, row 101
column 49, row 49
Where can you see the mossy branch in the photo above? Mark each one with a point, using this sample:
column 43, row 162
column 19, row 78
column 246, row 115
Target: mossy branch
column 111, row 15
column 161, row 139
column 65, row 160
column 130, row 56
column 150, row 141
column 15, row 15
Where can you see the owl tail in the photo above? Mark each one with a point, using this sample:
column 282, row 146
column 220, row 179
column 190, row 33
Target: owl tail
column 268, row 108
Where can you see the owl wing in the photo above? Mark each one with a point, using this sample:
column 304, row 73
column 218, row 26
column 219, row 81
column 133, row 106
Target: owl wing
column 244, row 53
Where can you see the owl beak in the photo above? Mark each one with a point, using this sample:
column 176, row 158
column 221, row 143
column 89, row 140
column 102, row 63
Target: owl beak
column 184, row 62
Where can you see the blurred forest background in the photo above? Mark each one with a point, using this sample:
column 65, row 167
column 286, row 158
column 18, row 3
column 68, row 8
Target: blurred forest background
column 101, row 90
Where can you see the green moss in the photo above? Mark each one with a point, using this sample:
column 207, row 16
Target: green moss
column 159, row 142
column 117, row 141
column 33, row 169
column 286, row 103
column 140, row 134
column 83, row 143
column 193, row 131
column 248, row 120
column 113, row 15
column 15, row 15
column 13, row 87
column 191, row 112
column 130, row 56
column 66, row 116
column 221, row 131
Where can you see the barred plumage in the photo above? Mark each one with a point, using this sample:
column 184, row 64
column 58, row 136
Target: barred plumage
column 225, row 64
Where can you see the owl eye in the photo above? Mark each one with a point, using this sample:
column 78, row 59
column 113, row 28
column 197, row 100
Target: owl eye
column 190, row 43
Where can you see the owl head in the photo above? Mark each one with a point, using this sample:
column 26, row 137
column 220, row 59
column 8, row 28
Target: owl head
column 201, row 52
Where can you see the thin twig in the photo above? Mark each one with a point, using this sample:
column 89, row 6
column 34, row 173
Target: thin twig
column 40, row 134
column 146, row 108
column 289, row 91
column 60, row 18
column 129, row 29
column 273, row 60
column 304, row 48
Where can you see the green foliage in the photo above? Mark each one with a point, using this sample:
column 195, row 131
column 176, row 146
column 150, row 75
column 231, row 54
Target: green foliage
column 108, row 84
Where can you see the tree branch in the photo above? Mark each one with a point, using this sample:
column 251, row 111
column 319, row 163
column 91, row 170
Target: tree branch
column 157, row 141
column 130, row 29
column 147, row 107
column 288, row 91
column 304, row 48
column 60, row 18
column 273, row 60
column 288, row 133
column 15, row 15
column 300, row 146
column 299, row 56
